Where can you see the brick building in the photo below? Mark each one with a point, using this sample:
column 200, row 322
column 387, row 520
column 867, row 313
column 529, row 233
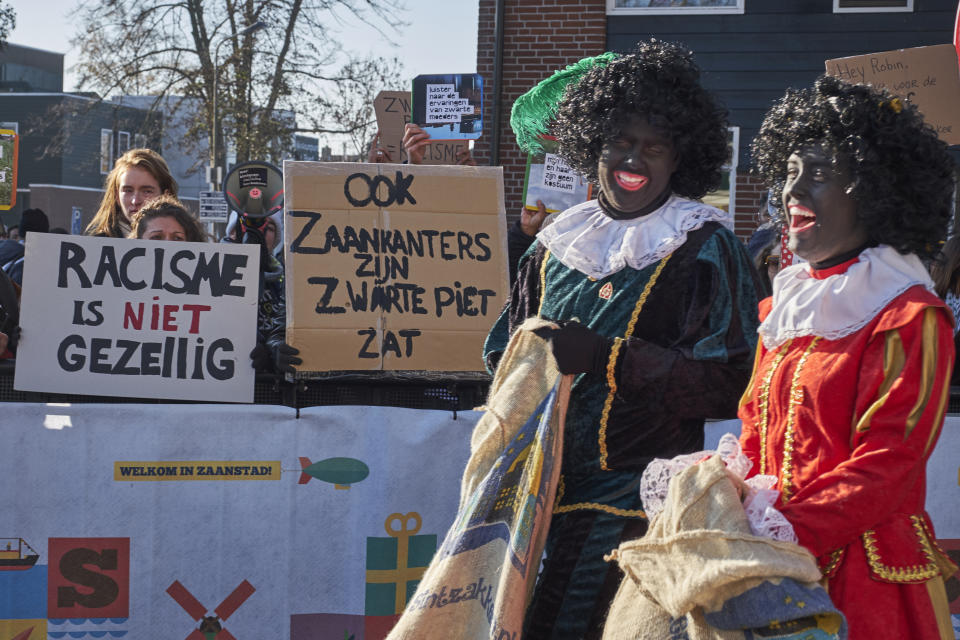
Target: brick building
column 750, row 51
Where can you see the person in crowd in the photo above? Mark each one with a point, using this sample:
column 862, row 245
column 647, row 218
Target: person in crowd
column 60, row 231
column 165, row 218
column 137, row 176
column 521, row 235
column 851, row 378
column 945, row 272
column 764, row 249
column 654, row 296
column 13, row 233
column 272, row 353
column 12, row 251
column 9, row 316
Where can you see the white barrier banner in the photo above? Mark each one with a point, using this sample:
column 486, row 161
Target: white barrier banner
column 172, row 521
column 138, row 318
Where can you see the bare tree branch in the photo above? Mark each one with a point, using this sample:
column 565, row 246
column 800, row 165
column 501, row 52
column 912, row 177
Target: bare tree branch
column 291, row 77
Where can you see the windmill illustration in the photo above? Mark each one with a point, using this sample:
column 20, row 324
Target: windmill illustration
column 211, row 627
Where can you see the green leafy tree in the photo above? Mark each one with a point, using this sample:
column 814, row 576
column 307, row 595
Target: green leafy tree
column 294, row 65
column 8, row 21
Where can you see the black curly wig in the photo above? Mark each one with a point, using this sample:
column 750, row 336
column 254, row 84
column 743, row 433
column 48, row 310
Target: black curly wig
column 901, row 174
column 660, row 81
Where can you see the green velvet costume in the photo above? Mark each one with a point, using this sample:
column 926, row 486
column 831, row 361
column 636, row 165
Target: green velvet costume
column 685, row 329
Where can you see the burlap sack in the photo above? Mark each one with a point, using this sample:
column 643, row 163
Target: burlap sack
column 479, row 582
column 699, row 555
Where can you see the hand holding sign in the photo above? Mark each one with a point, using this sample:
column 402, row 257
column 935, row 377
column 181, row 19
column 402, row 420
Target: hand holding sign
column 415, row 141
column 421, row 149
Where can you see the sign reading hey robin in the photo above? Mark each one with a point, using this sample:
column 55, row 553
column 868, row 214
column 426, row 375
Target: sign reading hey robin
column 138, row 318
column 926, row 76
column 393, row 267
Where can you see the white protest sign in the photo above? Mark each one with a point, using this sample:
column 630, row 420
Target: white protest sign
column 444, row 104
column 138, row 318
column 552, row 181
column 213, row 207
column 558, row 175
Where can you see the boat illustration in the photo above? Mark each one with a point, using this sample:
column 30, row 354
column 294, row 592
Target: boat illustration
column 13, row 555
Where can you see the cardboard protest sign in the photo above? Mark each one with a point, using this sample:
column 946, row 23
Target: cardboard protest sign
column 138, row 318
column 926, row 76
column 393, row 267
column 449, row 106
column 9, row 147
column 393, row 112
column 551, row 180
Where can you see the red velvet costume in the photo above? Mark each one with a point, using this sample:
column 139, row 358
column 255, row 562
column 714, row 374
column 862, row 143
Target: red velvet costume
column 847, row 426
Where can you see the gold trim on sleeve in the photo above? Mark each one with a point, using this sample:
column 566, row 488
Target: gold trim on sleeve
column 763, row 405
column 605, row 414
column 596, row 506
column 747, row 393
column 543, row 282
column 833, row 562
column 611, row 372
column 796, row 397
column 912, row 573
column 894, row 360
column 928, row 369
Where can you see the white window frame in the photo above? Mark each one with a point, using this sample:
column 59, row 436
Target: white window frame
column 731, row 166
column 109, row 151
column 613, row 9
column 907, row 9
column 122, row 147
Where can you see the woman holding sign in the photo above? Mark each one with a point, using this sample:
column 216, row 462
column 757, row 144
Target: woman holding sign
column 137, row 176
column 853, row 370
column 655, row 298
column 165, row 218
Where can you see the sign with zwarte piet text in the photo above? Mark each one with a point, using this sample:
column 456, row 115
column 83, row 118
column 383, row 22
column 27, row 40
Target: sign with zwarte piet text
column 393, row 267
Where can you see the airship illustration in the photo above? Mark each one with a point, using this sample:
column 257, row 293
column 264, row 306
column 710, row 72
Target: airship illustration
column 340, row 472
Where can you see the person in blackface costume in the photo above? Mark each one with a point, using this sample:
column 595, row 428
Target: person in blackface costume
column 654, row 296
column 852, row 374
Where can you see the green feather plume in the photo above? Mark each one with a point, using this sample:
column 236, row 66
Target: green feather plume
column 533, row 111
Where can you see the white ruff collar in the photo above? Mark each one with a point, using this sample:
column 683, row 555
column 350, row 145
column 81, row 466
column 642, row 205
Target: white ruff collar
column 586, row 239
column 843, row 303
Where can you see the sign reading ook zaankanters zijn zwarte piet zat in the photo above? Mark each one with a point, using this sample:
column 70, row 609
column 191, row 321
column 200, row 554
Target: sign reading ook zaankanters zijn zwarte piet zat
column 393, row 267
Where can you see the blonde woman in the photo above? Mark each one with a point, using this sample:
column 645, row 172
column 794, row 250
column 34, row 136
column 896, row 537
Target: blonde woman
column 138, row 175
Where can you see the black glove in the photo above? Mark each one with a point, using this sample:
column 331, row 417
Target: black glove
column 260, row 357
column 284, row 357
column 276, row 356
column 577, row 348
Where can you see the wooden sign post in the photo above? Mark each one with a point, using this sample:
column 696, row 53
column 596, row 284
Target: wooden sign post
column 393, row 267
